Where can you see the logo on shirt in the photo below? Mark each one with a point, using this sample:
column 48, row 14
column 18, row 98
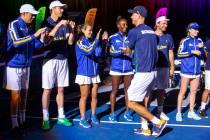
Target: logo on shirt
column 190, row 44
column 161, row 47
column 147, row 32
column 117, row 41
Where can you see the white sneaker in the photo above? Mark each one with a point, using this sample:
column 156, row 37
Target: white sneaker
column 178, row 117
column 163, row 116
column 193, row 115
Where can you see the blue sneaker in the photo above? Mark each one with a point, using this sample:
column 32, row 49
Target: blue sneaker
column 112, row 117
column 128, row 117
column 158, row 129
column 84, row 124
column 94, row 119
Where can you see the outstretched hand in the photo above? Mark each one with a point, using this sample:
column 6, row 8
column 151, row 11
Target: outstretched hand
column 39, row 32
column 105, row 35
column 98, row 34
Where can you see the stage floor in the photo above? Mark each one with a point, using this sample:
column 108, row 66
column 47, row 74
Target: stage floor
column 123, row 130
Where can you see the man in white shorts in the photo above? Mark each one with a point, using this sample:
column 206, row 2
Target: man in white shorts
column 165, row 62
column 21, row 43
column 143, row 41
column 55, row 71
column 206, row 92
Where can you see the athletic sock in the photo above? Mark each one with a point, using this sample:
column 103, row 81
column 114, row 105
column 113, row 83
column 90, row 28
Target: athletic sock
column 144, row 125
column 14, row 119
column 203, row 105
column 22, row 116
column 61, row 113
column 45, row 114
column 155, row 120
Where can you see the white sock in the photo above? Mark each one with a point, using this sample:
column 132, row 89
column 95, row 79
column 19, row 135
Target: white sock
column 155, row 120
column 203, row 105
column 61, row 113
column 144, row 125
column 45, row 114
column 14, row 119
column 22, row 116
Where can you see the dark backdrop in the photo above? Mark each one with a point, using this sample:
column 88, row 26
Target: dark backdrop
column 181, row 12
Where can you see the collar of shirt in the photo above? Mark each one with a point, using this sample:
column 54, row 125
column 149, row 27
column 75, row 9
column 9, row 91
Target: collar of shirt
column 51, row 21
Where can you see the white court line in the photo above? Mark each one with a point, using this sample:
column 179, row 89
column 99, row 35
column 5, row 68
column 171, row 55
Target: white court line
column 133, row 123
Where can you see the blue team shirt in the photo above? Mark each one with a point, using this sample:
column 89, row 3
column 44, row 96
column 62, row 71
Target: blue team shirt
column 207, row 48
column 165, row 44
column 143, row 41
column 57, row 49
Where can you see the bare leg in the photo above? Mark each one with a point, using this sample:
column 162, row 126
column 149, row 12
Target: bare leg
column 115, row 86
column 23, row 98
column 14, row 103
column 194, row 83
column 184, row 84
column 94, row 100
column 127, row 82
column 84, row 89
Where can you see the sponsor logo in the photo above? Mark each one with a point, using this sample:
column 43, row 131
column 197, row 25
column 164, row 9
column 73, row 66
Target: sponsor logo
column 147, row 32
column 162, row 47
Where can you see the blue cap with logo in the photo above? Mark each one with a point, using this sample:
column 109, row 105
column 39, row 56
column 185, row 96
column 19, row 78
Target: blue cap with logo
column 193, row 25
column 139, row 10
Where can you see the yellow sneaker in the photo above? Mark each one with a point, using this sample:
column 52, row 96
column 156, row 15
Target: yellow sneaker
column 146, row 132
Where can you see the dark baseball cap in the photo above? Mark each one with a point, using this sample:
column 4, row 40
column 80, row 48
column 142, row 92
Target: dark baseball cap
column 139, row 10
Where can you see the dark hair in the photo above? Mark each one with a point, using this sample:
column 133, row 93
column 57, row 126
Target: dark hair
column 120, row 18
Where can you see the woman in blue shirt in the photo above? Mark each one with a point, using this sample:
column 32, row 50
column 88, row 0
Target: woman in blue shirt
column 87, row 52
column 190, row 53
column 121, row 66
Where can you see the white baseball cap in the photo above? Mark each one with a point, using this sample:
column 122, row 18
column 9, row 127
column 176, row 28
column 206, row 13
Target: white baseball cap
column 56, row 3
column 162, row 18
column 28, row 8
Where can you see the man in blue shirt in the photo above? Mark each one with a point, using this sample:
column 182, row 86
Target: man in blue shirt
column 21, row 41
column 165, row 64
column 165, row 61
column 143, row 41
column 55, row 66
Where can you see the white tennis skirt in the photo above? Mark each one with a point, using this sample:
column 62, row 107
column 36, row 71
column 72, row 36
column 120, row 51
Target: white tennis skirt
column 85, row 80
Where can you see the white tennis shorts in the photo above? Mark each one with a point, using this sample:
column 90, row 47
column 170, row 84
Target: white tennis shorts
column 16, row 78
column 207, row 79
column 55, row 73
column 141, row 85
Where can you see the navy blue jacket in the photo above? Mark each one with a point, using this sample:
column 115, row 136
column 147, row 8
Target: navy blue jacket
column 190, row 63
column 87, row 53
column 120, row 62
column 20, row 44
